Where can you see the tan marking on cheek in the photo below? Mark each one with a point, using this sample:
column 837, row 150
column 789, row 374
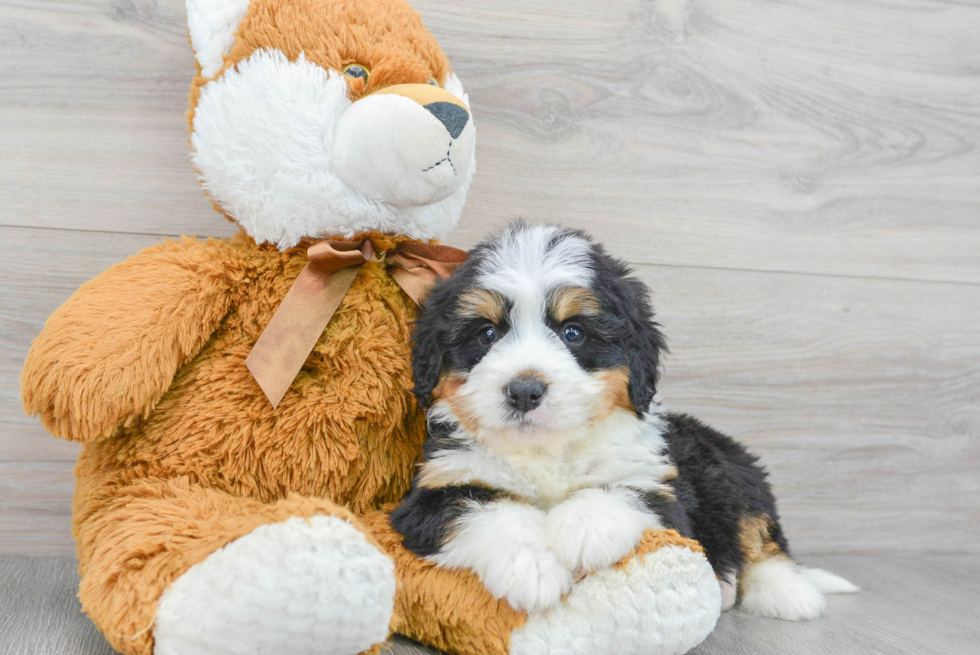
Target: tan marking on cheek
column 447, row 391
column 480, row 303
column 573, row 301
column 615, row 391
column 449, row 384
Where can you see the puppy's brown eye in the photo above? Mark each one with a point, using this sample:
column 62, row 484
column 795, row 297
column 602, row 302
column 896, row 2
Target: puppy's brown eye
column 487, row 335
column 573, row 335
column 357, row 71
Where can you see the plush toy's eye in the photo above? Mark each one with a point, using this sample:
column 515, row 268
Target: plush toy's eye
column 433, row 81
column 573, row 334
column 487, row 335
column 357, row 71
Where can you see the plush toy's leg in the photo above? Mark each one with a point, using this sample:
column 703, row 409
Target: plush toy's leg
column 171, row 568
column 663, row 599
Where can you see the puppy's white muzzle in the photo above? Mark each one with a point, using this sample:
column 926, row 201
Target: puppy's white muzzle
column 408, row 145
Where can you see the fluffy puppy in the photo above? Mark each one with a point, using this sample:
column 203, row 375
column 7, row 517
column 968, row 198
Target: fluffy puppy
column 547, row 456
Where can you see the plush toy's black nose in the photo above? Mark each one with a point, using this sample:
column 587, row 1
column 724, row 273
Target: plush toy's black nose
column 452, row 116
column 525, row 393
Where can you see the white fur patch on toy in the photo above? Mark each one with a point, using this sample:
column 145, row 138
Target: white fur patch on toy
column 666, row 602
column 263, row 143
column 304, row 587
column 389, row 146
column 212, row 25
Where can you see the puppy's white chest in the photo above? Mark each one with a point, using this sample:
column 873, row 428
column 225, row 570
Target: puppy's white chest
column 550, row 481
column 615, row 455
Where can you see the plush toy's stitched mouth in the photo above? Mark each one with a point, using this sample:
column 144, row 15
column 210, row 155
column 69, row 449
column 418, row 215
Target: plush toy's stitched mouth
column 444, row 159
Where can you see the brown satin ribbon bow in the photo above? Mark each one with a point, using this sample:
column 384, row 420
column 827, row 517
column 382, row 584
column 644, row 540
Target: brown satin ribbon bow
column 290, row 336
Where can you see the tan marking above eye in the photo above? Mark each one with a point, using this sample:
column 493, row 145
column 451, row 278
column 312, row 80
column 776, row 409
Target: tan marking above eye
column 449, row 384
column 572, row 301
column 481, row 303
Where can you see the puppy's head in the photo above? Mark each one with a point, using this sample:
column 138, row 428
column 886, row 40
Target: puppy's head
column 539, row 332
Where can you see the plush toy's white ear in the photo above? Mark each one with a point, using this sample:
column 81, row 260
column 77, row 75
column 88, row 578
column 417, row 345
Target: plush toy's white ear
column 212, row 25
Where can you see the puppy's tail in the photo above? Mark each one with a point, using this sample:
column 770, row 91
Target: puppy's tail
column 826, row 582
column 782, row 589
column 772, row 584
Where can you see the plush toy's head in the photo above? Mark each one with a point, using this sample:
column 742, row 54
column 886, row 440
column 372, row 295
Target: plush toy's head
column 325, row 118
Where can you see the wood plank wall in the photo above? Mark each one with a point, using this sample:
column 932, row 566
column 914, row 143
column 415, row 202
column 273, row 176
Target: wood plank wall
column 799, row 181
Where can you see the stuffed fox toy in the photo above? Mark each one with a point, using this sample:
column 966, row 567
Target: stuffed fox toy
column 245, row 405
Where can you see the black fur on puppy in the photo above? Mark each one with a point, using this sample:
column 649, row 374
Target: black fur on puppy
column 538, row 361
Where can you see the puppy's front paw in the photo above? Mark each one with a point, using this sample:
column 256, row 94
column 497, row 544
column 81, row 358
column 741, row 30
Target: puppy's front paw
column 528, row 579
column 504, row 544
column 596, row 528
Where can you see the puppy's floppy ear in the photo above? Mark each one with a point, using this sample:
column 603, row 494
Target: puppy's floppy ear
column 429, row 349
column 644, row 343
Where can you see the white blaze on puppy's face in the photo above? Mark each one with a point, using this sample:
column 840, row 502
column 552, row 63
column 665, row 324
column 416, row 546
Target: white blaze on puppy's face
column 530, row 350
column 524, row 271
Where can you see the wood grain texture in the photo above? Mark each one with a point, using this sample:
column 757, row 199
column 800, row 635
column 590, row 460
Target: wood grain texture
column 927, row 610
column 35, row 508
column 39, row 611
column 837, row 136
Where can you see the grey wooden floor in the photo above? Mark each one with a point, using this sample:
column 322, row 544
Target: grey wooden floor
column 798, row 180
column 909, row 605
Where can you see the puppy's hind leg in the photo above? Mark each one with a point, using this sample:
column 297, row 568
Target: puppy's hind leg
column 772, row 584
column 728, row 584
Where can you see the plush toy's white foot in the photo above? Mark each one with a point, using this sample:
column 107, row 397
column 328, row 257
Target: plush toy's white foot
column 781, row 589
column 663, row 603
column 299, row 587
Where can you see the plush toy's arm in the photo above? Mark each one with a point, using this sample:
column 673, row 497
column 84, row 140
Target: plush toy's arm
column 110, row 352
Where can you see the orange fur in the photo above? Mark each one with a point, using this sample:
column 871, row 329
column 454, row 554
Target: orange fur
column 615, row 393
column 480, row 303
column 145, row 364
column 573, row 301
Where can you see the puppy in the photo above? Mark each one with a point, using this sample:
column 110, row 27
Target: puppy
column 548, row 457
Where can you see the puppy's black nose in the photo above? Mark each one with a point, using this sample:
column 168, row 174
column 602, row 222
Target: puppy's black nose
column 452, row 116
column 525, row 393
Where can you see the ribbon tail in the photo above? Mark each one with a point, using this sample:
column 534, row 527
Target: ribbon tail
column 416, row 283
column 290, row 336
